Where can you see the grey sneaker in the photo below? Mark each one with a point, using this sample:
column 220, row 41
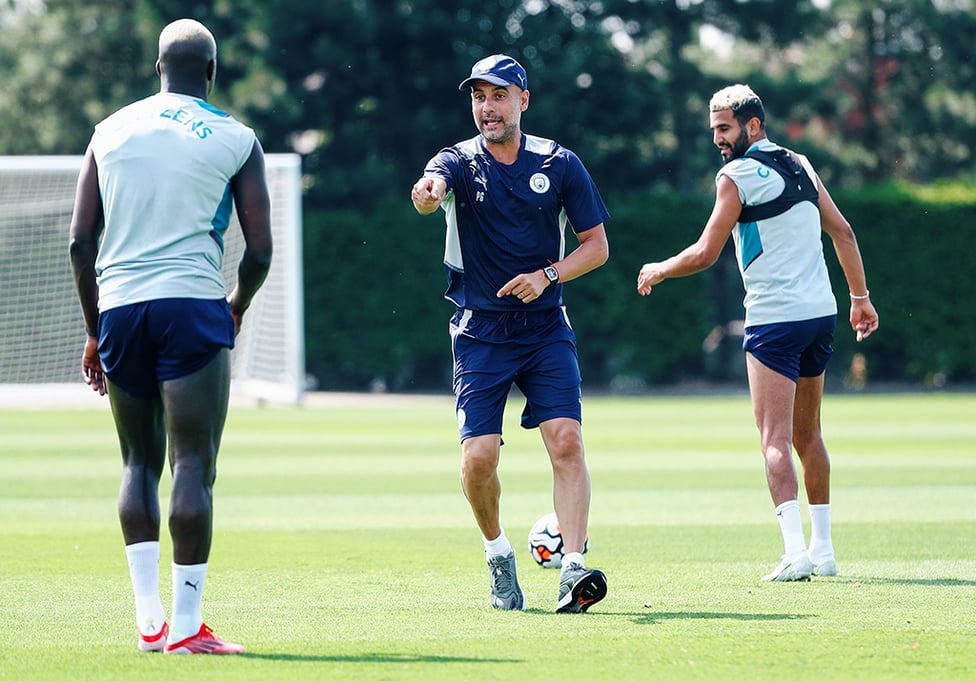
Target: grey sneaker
column 505, row 591
column 580, row 588
column 798, row 569
column 827, row 568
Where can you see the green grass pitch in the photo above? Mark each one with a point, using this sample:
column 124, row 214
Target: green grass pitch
column 344, row 548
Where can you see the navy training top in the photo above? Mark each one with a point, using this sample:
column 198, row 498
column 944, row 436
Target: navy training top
column 504, row 220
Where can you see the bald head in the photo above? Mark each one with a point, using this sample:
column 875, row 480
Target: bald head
column 187, row 57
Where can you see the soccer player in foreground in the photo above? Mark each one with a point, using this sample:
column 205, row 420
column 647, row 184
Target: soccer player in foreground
column 507, row 197
column 158, row 184
column 775, row 206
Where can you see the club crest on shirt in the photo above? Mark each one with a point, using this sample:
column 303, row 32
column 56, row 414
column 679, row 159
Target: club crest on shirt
column 539, row 183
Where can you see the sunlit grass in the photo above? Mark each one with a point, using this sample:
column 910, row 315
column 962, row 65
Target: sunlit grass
column 344, row 548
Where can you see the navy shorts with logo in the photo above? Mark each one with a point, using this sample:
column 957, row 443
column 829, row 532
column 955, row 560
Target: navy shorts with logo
column 143, row 344
column 793, row 349
column 535, row 351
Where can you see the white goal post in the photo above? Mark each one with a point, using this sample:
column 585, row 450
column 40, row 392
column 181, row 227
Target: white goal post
column 41, row 328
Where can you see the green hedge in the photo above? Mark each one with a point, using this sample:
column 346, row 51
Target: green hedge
column 375, row 314
column 917, row 246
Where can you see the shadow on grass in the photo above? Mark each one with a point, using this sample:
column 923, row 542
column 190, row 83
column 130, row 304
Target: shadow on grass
column 376, row 658
column 651, row 616
column 906, row 581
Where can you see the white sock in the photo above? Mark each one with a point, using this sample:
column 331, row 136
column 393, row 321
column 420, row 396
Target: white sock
column 188, row 581
column 821, row 546
column 572, row 559
column 788, row 514
column 499, row 546
column 143, row 560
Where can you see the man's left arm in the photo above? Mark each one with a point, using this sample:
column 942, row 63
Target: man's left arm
column 592, row 252
column 87, row 221
column 863, row 316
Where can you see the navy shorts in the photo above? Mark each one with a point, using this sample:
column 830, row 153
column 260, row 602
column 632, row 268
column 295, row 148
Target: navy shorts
column 143, row 344
column 535, row 351
column 793, row 349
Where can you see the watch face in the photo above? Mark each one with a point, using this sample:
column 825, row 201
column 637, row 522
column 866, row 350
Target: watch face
column 552, row 274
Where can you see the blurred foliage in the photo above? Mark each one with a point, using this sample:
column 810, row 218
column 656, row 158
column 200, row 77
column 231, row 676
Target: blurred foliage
column 380, row 319
column 366, row 90
column 916, row 250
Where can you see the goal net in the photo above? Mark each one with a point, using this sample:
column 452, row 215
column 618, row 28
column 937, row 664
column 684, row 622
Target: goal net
column 41, row 327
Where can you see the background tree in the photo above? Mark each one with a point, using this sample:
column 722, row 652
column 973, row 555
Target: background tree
column 66, row 66
column 366, row 91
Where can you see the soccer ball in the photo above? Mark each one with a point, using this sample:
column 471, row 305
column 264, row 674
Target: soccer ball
column 546, row 542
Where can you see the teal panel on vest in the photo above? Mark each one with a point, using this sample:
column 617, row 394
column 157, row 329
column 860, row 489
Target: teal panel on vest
column 751, row 243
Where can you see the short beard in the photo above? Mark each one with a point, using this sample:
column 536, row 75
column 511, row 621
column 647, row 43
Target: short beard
column 739, row 147
column 506, row 134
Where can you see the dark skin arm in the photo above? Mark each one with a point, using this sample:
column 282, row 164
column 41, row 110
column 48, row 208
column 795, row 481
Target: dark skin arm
column 86, row 227
column 250, row 191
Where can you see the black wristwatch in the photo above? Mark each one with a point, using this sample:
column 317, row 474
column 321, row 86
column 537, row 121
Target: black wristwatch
column 552, row 274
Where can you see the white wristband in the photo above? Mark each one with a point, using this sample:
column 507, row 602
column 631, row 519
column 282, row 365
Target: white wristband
column 864, row 297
